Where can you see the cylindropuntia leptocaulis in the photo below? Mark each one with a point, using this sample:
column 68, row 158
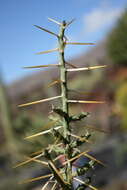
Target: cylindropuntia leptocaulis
column 66, row 143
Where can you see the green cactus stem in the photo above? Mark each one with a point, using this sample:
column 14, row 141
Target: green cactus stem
column 64, row 94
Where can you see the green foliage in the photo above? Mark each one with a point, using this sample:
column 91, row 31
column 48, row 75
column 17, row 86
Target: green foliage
column 117, row 42
column 24, row 125
column 121, row 99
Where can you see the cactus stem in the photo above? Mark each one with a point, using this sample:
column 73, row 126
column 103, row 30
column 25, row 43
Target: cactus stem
column 64, row 94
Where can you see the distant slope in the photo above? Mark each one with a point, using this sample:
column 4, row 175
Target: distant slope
column 95, row 56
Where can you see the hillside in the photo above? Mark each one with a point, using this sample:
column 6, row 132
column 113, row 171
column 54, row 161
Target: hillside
column 91, row 85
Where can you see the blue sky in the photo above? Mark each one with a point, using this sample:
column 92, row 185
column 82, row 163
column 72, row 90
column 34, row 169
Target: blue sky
column 20, row 40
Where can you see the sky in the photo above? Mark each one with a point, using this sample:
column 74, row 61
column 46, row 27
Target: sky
column 20, row 40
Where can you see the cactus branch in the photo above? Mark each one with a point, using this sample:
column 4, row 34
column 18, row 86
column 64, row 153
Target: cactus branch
column 64, row 97
column 69, row 143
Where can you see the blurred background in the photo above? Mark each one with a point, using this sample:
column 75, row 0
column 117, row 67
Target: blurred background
column 103, row 22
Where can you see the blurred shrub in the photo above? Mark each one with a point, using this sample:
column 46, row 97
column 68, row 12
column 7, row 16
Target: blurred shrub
column 121, row 99
column 25, row 125
column 117, row 42
column 22, row 125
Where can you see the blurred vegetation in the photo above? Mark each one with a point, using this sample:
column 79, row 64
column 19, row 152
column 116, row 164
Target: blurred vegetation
column 117, row 185
column 25, row 125
column 117, row 42
column 13, row 146
column 121, row 100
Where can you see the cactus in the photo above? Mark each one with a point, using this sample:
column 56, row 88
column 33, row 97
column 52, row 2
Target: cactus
column 66, row 145
column 6, row 122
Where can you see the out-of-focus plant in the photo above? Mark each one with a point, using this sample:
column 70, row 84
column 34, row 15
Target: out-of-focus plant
column 24, row 125
column 117, row 42
column 121, row 99
column 66, row 144
column 6, row 121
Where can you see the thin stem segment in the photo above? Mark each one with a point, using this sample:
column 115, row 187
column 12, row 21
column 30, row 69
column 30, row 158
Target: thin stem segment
column 64, row 95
